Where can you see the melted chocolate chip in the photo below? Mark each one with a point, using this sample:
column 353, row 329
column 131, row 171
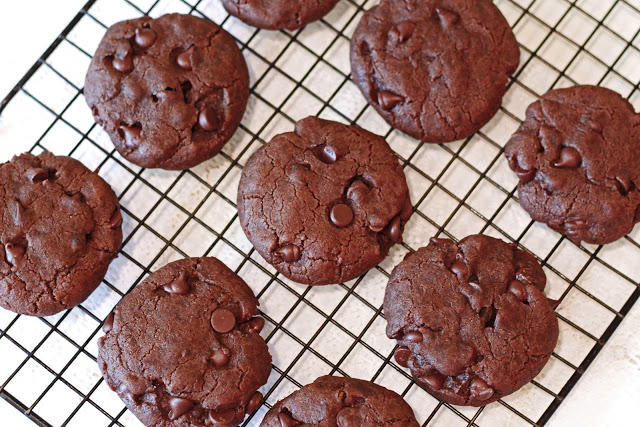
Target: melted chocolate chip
column 208, row 119
column 459, row 268
column 116, row 218
column 108, row 323
column 287, row 420
column 179, row 285
column 395, row 230
column 221, row 357
column 405, row 30
column 18, row 212
column 388, row 100
column 289, row 253
column 179, row 407
column 434, row 380
column 569, row 158
column 256, row 324
column 517, row 288
column 130, row 134
column 223, row 320
column 480, row 389
column 413, row 337
column 326, row 154
column 14, row 253
column 124, row 64
column 145, row 37
column 184, row 59
column 222, row 419
column 402, row 355
column 254, row 403
column 37, row 174
column 624, row 184
column 341, row 215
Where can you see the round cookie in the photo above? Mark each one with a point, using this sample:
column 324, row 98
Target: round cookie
column 471, row 319
column 325, row 203
column 183, row 348
column 576, row 155
column 279, row 14
column 170, row 92
column 434, row 69
column 61, row 228
column 341, row 402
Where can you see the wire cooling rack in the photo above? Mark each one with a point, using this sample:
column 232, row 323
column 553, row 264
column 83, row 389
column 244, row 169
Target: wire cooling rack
column 48, row 368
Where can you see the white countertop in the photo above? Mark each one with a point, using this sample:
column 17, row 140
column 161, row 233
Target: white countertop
column 607, row 395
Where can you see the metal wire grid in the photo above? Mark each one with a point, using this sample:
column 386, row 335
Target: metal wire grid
column 306, row 325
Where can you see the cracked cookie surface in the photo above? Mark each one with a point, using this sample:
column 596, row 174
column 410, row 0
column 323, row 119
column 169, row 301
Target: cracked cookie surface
column 325, row 203
column 170, row 92
column 341, row 402
column 434, row 69
column 184, row 349
column 471, row 319
column 576, row 155
column 61, row 228
column 279, row 14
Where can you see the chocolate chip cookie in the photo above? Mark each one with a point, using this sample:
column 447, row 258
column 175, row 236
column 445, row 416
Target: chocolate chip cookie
column 61, row 227
column 325, row 203
column 471, row 319
column 183, row 348
column 341, row 402
column 170, row 92
column 434, row 69
column 576, row 155
column 279, row 14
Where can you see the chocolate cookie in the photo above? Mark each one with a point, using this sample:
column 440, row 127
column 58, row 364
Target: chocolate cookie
column 341, row 402
column 169, row 91
column 183, row 348
column 279, row 14
column 61, row 227
column 325, row 203
column 434, row 69
column 576, row 155
column 471, row 319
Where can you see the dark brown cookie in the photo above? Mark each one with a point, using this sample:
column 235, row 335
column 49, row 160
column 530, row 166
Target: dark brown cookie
column 325, row 203
column 61, row 227
column 471, row 319
column 341, row 402
column 169, row 91
column 279, row 14
column 183, row 348
column 435, row 69
column 576, row 155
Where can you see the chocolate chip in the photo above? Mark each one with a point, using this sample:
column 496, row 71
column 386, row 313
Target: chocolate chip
column 480, row 390
column 124, row 64
column 221, row 357
column 569, row 158
column 208, row 119
column 326, row 154
column 395, row 230
column 525, row 176
column 289, row 253
column 14, row 253
column 413, row 337
column 402, row 355
column 254, row 403
column 179, row 407
column 517, row 288
column 439, row 241
column 287, row 420
column 37, row 174
column 130, row 134
column 223, row 320
column 447, row 17
column 256, row 324
column 18, row 212
column 435, row 380
column 179, row 285
column 405, row 30
column 116, row 218
column 459, row 268
column 349, row 417
column 388, row 100
column 108, row 323
column 184, row 59
column 145, row 37
column 222, row 419
column 341, row 215
column 624, row 184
